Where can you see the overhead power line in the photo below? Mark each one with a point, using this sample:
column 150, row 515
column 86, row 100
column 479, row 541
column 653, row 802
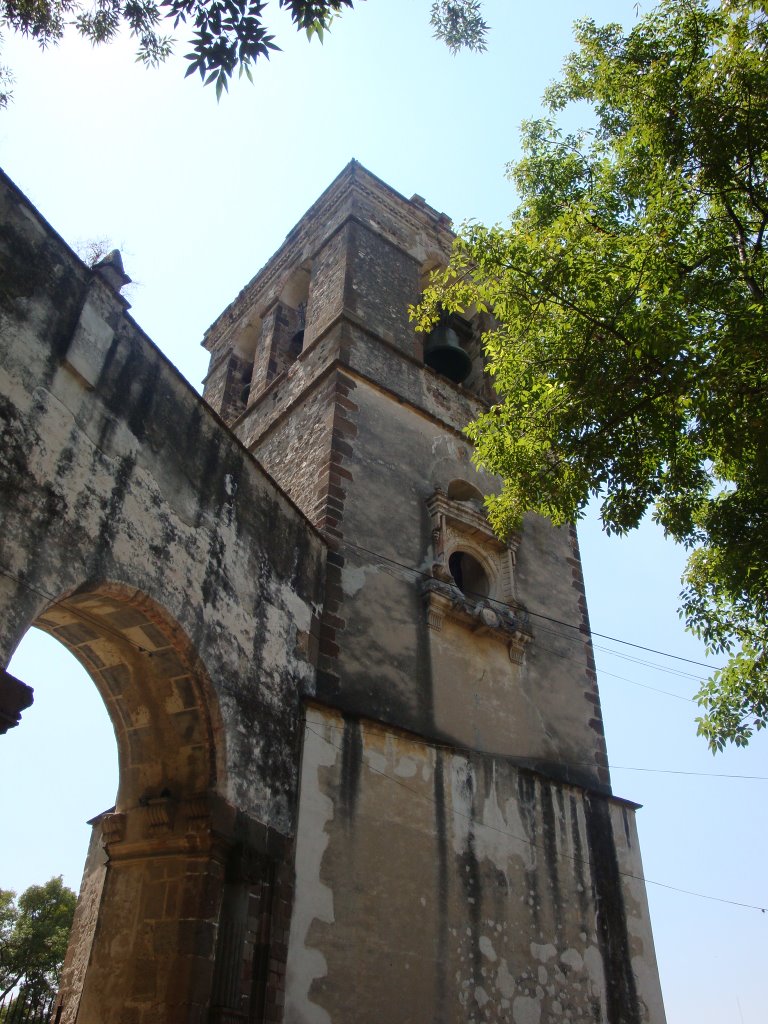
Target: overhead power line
column 624, row 679
column 501, row 604
column 532, row 843
column 111, row 631
column 78, row 613
column 679, row 771
column 94, row 621
column 539, row 615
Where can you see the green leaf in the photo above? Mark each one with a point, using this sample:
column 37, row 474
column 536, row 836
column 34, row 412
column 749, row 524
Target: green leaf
column 629, row 352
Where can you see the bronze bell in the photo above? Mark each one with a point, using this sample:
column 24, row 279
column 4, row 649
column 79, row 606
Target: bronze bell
column 443, row 352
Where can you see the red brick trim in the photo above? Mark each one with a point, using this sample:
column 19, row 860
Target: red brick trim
column 329, row 517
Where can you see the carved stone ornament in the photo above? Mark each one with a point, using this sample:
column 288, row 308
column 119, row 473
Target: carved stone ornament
column 198, row 808
column 15, row 697
column 113, row 828
column 463, row 526
column 160, row 811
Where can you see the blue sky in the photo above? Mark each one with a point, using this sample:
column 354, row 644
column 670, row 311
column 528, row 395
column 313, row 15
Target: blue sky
column 198, row 195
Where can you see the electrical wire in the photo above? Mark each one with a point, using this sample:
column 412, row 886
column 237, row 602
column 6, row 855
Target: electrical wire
column 677, row 771
column 613, row 675
column 633, row 659
column 539, row 615
column 549, row 650
column 98, row 623
column 91, row 620
column 532, row 843
column 646, row 686
column 502, row 604
column 94, row 621
column 644, row 663
column 104, row 627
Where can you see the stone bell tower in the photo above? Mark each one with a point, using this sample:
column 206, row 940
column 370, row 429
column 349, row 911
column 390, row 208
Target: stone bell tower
column 459, row 853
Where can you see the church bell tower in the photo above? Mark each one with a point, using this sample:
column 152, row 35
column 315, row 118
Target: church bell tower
column 459, row 854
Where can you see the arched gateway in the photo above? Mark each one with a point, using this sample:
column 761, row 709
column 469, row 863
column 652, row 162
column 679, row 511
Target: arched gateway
column 357, row 782
column 192, row 608
column 156, row 865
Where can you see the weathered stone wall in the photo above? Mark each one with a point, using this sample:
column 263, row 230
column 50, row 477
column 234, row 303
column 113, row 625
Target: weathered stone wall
column 86, row 918
column 329, row 277
column 382, row 281
column 129, row 479
column 516, row 898
column 451, row 682
column 142, row 535
column 475, row 867
column 390, row 438
column 298, row 446
column 456, row 849
column 365, row 246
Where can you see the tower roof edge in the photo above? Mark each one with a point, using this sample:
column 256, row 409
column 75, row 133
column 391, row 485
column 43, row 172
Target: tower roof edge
column 354, row 186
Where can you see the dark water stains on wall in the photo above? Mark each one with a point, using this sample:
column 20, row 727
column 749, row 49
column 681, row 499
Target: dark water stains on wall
column 442, row 888
column 548, row 843
column 526, row 794
column 351, row 764
column 621, row 991
column 113, row 506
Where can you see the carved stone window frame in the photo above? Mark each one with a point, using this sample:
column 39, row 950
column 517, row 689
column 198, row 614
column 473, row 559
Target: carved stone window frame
column 459, row 526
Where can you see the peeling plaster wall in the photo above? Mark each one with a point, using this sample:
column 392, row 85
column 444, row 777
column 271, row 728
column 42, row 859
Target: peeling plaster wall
column 129, row 478
column 139, row 532
column 449, row 683
column 360, row 433
column 506, row 907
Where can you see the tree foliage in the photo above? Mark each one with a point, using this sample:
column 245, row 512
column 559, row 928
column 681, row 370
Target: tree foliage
column 630, row 354
column 6, row 83
column 459, row 24
column 34, row 931
column 226, row 35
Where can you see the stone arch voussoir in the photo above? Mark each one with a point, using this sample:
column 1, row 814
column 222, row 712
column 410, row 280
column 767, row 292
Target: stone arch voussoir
column 157, row 692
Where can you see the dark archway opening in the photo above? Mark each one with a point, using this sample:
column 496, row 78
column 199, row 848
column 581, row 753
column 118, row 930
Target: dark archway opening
column 469, row 575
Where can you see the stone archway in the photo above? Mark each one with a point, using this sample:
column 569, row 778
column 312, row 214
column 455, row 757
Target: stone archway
column 155, row 688
column 113, row 468
column 144, row 938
